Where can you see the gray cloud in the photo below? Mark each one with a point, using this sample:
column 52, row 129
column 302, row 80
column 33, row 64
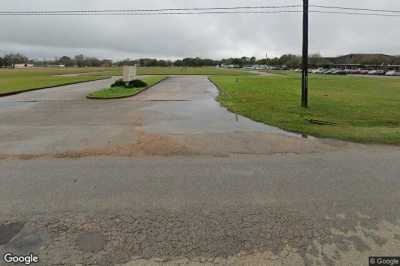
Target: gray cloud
column 180, row 36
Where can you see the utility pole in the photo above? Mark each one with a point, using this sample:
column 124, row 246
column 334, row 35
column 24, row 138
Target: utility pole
column 304, row 80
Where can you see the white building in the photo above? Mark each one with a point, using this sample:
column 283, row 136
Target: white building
column 56, row 66
column 23, row 65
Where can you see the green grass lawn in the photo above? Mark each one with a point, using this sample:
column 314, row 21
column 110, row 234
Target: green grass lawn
column 361, row 109
column 121, row 92
column 19, row 80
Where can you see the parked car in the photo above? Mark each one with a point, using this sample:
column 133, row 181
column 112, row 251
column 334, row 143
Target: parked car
column 349, row 71
column 354, row 71
column 321, row 71
column 324, row 71
column 393, row 73
column 330, row 71
column 317, row 71
column 339, row 72
column 376, row 72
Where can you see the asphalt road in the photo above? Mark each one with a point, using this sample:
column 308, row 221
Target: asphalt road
column 170, row 177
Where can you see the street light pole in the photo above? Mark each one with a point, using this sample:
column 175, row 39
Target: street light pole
column 304, row 80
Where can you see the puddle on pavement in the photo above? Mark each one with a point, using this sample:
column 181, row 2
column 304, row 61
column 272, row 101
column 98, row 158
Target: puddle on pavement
column 203, row 114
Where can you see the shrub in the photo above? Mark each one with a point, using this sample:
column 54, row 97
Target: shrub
column 137, row 83
column 118, row 83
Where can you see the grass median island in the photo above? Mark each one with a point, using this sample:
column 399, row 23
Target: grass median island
column 123, row 92
column 360, row 109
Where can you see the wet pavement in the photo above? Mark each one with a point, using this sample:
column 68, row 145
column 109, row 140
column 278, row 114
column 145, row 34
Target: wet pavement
column 170, row 177
column 179, row 116
column 192, row 104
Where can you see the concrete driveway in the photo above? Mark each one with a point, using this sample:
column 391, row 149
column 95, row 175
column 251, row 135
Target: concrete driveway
column 177, row 117
column 171, row 177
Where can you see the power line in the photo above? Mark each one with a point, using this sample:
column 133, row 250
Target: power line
column 151, row 10
column 356, row 9
column 127, row 13
column 353, row 13
column 154, row 13
column 273, row 9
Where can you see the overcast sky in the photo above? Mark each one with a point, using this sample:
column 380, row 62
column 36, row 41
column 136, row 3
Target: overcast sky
column 214, row 36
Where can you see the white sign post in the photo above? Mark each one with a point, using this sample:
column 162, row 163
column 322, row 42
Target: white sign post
column 129, row 73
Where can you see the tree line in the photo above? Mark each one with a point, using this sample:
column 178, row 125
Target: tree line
column 9, row 60
column 289, row 60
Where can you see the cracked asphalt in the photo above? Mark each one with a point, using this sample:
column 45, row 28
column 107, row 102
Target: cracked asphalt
column 171, row 178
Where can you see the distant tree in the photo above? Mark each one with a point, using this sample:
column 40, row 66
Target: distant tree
column 67, row 61
column 178, row 63
column 237, row 61
column 227, row 61
column 12, row 59
column 190, row 62
column 318, row 60
column 128, row 62
column 2, row 62
column 396, row 60
column 162, row 63
column 84, row 61
column 80, row 60
column 245, row 60
column 195, row 62
column 290, row 60
column 262, row 62
column 106, row 63
column 91, row 62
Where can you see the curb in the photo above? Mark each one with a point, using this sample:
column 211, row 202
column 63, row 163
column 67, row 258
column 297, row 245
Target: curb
column 220, row 90
column 49, row 87
column 123, row 97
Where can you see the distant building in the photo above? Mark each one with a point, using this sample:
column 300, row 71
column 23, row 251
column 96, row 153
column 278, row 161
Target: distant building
column 230, row 66
column 23, row 65
column 55, row 65
column 257, row 67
